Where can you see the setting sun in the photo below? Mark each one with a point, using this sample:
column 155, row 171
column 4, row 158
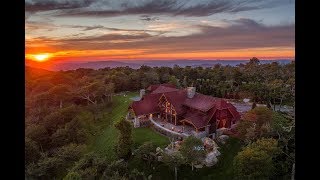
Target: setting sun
column 41, row 57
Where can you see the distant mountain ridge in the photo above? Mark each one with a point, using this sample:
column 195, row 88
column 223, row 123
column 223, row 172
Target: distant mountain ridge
column 155, row 63
column 32, row 72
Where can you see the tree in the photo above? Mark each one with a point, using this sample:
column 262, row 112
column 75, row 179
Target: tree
column 116, row 169
column 32, row 152
column 242, row 128
column 259, row 115
column 108, row 91
column 255, row 160
column 59, row 94
column 192, row 150
column 55, row 162
column 47, row 167
column 254, row 105
column 72, row 176
column 117, row 176
column 38, row 134
column 137, row 175
column 60, row 138
column 125, row 142
column 251, row 164
column 278, row 91
column 251, row 134
column 268, row 145
column 254, row 61
column 174, row 160
column 76, row 130
column 185, row 82
column 91, row 91
column 72, row 132
column 90, row 166
column 284, row 130
column 120, row 79
column 42, row 99
column 41, row 86
column 146, row 152
column 174, row 80
column 281, row 125
column 255, row 123
column 70, row 153
column 59, row 118
column 150, row 77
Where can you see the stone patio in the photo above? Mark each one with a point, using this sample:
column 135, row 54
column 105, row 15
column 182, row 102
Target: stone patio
column 176, row 129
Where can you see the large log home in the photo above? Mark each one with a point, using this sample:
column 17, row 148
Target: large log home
column 184, row 107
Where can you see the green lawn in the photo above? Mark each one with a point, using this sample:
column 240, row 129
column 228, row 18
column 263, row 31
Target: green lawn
column 105, row 140
column 141, row 135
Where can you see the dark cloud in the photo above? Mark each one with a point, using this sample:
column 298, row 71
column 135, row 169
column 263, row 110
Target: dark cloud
column 47, row 5
column 241, row 34
column 248, row 22
column 93, row 27
column 94, row 39
column 110, row 37
column 127, row 7
column 89, row 28
column 149, row 18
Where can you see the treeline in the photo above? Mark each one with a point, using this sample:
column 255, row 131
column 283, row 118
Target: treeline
column 264, row 83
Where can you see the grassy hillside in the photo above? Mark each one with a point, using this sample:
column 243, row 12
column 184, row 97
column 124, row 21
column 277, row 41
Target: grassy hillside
column 105, row 140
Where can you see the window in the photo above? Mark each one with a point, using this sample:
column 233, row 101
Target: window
column 224, row 121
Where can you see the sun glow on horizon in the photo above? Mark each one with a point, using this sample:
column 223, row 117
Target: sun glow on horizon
column 41, row 57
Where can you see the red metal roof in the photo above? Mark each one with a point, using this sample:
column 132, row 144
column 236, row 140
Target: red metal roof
column 234, row 111
column 148, row 104
column 211, row 113
column 163, row 89
column 197, row 119
column 154, row 87
column 176, row 98
column 179, row 99
column 201, row 102
column 221, row 104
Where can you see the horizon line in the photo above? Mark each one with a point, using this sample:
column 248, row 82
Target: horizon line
column 158, row 60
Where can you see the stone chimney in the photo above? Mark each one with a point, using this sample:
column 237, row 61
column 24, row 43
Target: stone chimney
column 142, row 92
column 191, row 91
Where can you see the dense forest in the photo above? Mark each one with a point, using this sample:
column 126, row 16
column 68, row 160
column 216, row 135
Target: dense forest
column 64, row 108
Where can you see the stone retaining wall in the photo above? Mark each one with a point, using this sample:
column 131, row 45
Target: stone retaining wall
column 167, row 132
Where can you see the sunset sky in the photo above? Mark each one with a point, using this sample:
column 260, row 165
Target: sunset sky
column 90, row 30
